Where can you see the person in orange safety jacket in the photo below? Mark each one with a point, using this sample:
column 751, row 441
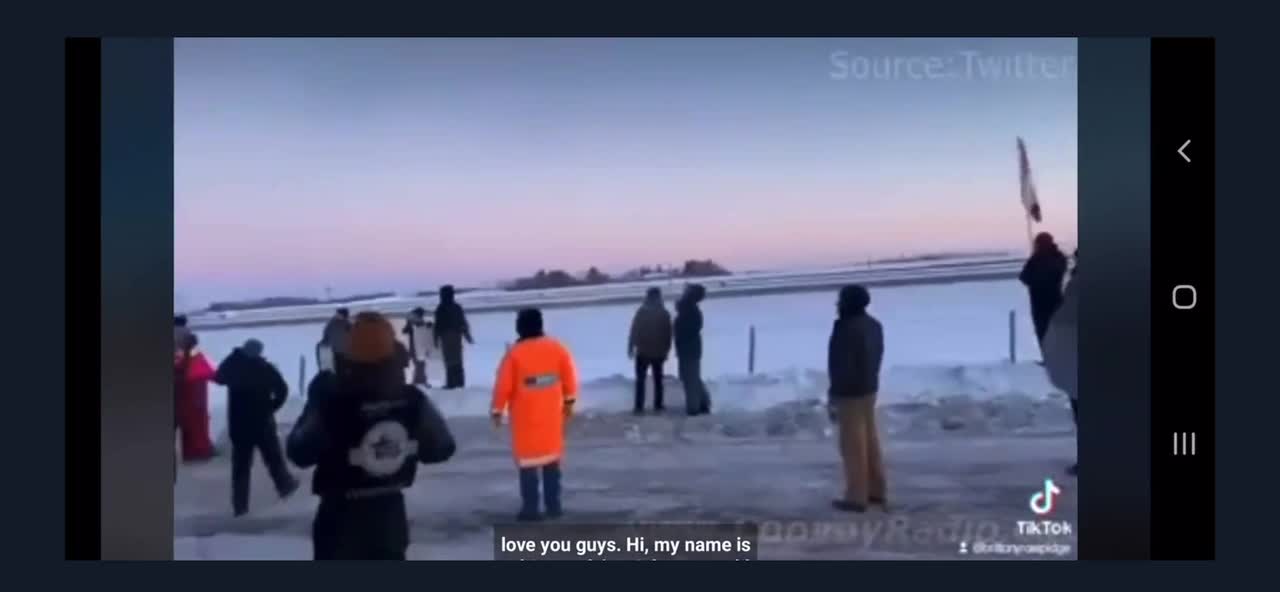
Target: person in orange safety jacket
column 537, row 382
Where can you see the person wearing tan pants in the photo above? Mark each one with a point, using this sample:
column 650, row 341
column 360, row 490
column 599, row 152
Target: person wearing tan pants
column 860, row 453
column 854, row 355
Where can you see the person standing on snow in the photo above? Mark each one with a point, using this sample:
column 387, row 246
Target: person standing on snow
column 255, row 392
column 334, row 337
column 688, row 340
column 365, row 431
column 451, row 328
column 649, row 344
column 192, row 406
column 180, row 362
column 421, row 335
column 854, row 354
column 537, row 383
column 1060, row 355
column 1043, row 275
column 180, row 334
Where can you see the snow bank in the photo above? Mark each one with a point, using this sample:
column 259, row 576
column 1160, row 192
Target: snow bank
column 913, row 399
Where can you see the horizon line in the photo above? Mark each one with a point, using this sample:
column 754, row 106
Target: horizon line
column 498, row 283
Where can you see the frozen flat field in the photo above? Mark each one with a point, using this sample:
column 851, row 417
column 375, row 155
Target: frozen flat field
column 925, row 325
column 736, row 285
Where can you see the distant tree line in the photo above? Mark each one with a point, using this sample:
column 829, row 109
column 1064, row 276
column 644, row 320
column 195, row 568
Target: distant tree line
column 273, row 302
column 558, row 278
column 928, row 257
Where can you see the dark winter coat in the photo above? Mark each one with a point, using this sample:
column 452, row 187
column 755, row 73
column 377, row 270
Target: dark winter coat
column 310, row 442
column 1043, row 275
column 450, row 348
column 651, row 332
column 854, row 354
column 449, row 316
column 451, row 327
column 255, row 391
column 688, row 327
column 402, row 356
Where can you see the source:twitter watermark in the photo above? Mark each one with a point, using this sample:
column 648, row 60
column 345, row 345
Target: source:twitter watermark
column 962, row 65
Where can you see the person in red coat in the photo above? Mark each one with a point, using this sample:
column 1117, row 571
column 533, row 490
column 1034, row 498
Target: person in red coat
column 192, row 403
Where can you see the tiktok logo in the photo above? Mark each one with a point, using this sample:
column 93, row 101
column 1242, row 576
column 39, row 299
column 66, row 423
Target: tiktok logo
column 1042, row 502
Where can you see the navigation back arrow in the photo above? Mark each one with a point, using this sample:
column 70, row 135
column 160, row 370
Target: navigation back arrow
column 1184, row 154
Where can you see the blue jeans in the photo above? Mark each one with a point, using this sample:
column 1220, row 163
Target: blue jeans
column 550, row 489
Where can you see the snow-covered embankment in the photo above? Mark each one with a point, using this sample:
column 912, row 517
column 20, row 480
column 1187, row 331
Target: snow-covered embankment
column 914, row 401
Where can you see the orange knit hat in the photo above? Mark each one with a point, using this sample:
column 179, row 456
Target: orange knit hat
column 372, row 339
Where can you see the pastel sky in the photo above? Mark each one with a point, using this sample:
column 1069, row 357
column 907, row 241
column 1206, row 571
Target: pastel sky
column 396, row 164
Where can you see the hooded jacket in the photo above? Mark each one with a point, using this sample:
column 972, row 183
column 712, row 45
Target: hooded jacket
column 330, row 399
column 1042, row 275
column 536, row 381
column 194, row 372
column 688, row 323
column 855, row 350
column 651, row 331
column 361, row 428
column 449, row 316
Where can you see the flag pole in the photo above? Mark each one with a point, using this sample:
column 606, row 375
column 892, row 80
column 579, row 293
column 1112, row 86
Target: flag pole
column 1030, row 239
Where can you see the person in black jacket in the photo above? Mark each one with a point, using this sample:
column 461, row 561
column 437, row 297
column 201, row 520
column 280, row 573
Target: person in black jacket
column 451, row 329
column 649, row 343
column 334, row 337
column 255, row 391
column 854, row 354
column 688, row 339
column 1043, row 275
column 366, row 430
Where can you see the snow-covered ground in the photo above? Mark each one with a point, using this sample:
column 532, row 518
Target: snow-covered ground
column 944, row 493
column 965, row 448
column 928, row 329
column 968, row 435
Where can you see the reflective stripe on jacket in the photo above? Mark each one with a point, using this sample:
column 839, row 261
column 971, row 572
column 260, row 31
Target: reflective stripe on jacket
column 535, row 381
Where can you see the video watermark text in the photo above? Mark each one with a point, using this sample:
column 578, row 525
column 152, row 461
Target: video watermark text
column 963, row 65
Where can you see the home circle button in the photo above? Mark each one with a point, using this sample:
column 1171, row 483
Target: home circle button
column 1184, row 297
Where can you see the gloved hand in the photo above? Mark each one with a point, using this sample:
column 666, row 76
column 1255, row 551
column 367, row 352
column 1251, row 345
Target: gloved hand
column 497, row 419
column 568, row 409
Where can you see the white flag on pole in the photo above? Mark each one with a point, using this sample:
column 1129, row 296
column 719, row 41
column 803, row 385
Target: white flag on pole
column 1029, row 199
